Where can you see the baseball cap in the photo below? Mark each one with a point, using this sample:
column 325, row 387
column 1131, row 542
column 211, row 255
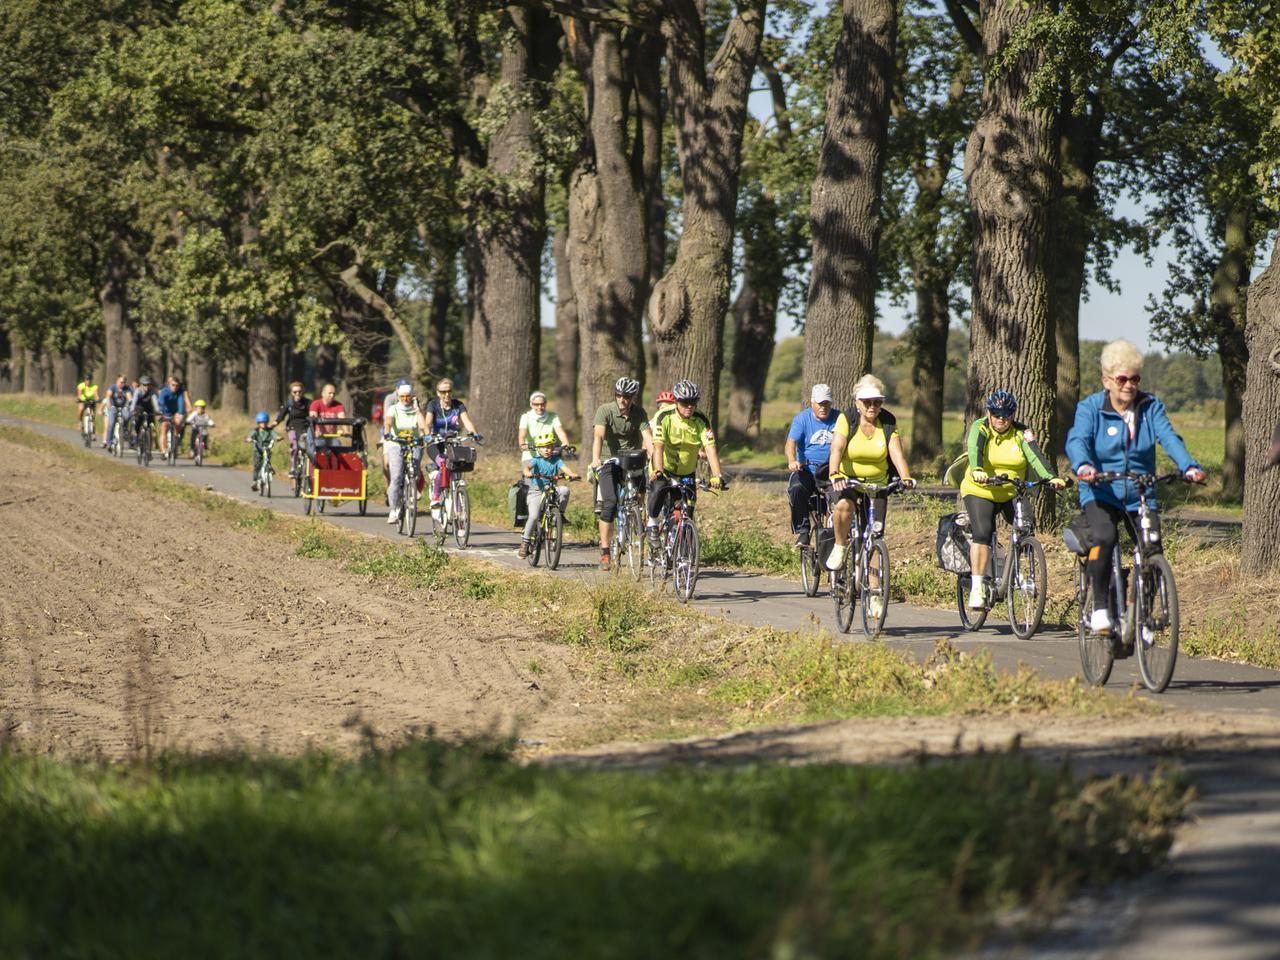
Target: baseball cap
column 821, row 393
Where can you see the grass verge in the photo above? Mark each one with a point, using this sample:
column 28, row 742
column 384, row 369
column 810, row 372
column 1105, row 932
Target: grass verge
column 456, row 851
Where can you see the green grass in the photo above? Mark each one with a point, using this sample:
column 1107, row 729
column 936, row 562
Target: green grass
column 430, row 849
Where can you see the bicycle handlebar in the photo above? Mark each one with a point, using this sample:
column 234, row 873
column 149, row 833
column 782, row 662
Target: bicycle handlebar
column 873, row 489
column 1022, row 486
column 1140, row 480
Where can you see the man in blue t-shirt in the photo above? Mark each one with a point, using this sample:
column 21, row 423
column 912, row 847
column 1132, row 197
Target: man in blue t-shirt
column 808, row 451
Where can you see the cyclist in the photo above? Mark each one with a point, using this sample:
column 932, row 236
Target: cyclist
column 663, row 402
column 863, row 450
column 620, row 425
column 542, row 472
column 401, row 417
column 534, row 421
column 119, row 396
column 680, row 434
column 388, row 449
column 260, row 436
column 200, row 421
column 444, row 415
column 87, row 396
column 293, row 414
column 327, row 407
column 1116, row 429
column 809, row 437
column 174, row 404
column 143, row 406
column 998, row 446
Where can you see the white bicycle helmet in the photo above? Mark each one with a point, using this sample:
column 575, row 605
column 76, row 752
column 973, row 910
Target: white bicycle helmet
column 686, row 391
column 626, row 387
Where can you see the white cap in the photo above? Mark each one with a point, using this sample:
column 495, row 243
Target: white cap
column 405, row 390
column 821, row 393
column 537, row 395
column 869, row 393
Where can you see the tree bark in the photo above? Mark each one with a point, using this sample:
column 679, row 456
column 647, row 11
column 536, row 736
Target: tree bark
column 606, row 248
column 1227, row 302
column 845, row 202
column 566, row 337
column 686, row 308
column 650, row 118
column 755, row 317
column 928, row 368
column 7, row 373
column 199, row 376
column 1260, row 554
column 66, row 374
column 235, row 379
column 438, row 318
column 113, row 296
column 507, row 218
column 326, row 367
column 265, row 387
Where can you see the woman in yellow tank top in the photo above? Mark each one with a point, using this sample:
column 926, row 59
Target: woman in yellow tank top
column 862, row 450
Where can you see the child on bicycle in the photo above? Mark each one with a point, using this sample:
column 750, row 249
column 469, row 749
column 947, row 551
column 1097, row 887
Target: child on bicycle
column 200, row 422
column 542, row 472
column 262, row 437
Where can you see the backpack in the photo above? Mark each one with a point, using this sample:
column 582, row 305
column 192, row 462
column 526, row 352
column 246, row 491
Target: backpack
column 889, row 423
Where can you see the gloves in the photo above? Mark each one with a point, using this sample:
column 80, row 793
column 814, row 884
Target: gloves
column 1086, row 472
column 716, row 483
column 909, row 483
column 979, row 476
column 1057, row 483
column 1194, row 475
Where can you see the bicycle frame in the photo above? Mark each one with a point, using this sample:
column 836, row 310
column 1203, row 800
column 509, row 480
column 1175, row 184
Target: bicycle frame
column 865, row 540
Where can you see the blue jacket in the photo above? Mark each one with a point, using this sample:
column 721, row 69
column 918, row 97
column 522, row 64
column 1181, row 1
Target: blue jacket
column 1101, row 438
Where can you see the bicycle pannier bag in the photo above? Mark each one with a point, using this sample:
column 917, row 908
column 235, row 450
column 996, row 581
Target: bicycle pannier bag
column 518, row 502
column 632, row 460
column 953, row 542
column 826, row 539
column 462, row 459
column 1077, row 537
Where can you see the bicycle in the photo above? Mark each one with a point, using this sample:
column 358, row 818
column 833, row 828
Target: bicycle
column 866, row 553
column 199, row 444
column 298, row 465
column 1144, row 598
column 265, row 470
column 88, row 418
column 628, row 527
column 676, row 557
column 173, row 438
column 819, row 518
column 408, row 481
column 119, row 438
column 144, row 437
column 548, row 530
column 454, row 513
column 1019, row 578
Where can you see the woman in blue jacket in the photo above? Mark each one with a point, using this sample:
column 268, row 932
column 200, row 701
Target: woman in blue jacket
column 1117, row 429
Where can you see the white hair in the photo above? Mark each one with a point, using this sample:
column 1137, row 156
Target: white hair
column 1120, row 355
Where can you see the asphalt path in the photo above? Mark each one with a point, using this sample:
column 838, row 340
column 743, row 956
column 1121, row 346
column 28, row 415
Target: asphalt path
column 1220, row 894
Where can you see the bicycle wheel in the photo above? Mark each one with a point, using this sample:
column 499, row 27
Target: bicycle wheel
column 555, row 537
column 408, row 505
column 297, row 475
column 844, row 590
column 197, row 451
column 86, row 430
column 684, row 561
column 969, row 619
column 539, row 536
column 440, row 521
column 1028, row 588
column 810, row 562
column 461, row 516
column 308, row 502
column 636, row 543
column 1096, row 656
column 171, row 451
column 1156, row 619
column 658, row 560
column 875, row 600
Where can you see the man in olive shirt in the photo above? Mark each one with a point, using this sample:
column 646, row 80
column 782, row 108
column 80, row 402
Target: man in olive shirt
column 619, row 426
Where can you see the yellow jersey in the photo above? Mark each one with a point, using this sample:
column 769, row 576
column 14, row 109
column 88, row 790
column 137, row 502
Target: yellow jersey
column 865, row 458
column 681, row 438
column 86, row 390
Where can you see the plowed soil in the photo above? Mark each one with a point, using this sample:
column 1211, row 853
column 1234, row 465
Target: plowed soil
column 130, row 622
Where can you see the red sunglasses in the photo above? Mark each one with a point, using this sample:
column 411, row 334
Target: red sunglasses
column 1122, row 379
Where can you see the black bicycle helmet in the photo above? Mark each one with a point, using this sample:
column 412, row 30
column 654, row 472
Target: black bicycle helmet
column 1001, row 402
column 686, row 391
column 626, row 387
column 144, row 381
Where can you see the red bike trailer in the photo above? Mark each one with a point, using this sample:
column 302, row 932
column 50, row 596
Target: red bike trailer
column 337, row 464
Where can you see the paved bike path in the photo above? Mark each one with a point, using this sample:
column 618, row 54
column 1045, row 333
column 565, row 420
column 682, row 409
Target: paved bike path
column 1219, row 896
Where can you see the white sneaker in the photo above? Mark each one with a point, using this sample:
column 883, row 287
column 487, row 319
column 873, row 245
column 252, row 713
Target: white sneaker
column 874, row 606
column 393, row 515
column 976, row 595
column 836, row 560
column 1100, row 622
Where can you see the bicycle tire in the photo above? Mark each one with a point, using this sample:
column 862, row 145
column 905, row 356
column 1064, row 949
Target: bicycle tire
column 461, row 517
column 555, row 536
column 298, row 474
column 1156, row 617
column 86, row 430
column 409, row 504
column 659, row 561
column 1096, row 654
column 171, row 448
column 969, row 619
column 810, row 562
column 684, row 561
column 844, row 590
column 878, row 560
column 636, row 542
column 1028, row 588
column 197, row 451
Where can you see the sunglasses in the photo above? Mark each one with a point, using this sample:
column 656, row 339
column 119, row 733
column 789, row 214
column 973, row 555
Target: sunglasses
column 1122, row 380
column 443, row 393
column 1001, row 414
column 873, row 403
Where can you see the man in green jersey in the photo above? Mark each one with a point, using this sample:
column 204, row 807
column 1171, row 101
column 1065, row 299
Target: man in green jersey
column 678, row 436
column 620, row 427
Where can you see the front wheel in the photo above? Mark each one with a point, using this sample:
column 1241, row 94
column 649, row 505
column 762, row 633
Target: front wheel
column 86, row 430
column 1028, row 588
column 297, row 476
column 1156, row 620
column 844, row 589
column 307, row 501
column 461, row 516
column 409, row 505
column 555, row 537
column 970, row 619
column 875, row 599
column 684, row 561
column 810, row 569
column 1096, row 655
column 636, row 541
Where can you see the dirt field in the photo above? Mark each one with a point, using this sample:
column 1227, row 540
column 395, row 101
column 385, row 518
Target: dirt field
column 129, row 620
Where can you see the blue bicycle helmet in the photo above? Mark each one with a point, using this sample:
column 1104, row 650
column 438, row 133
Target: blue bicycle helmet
column 1002, row 403
column 262, row 417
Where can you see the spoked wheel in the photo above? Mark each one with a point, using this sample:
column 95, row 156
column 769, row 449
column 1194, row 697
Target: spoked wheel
column 308, row 501
column 555, row 537
column 810, row 570
column 658, row 559
column 539, row 537
column 440, row 522
column 684, row 561
column 1027, row 588
column 408, row 506
column 86, row 430
column 1096, row 655
column 969, row 619
column 636, row 542
column 297, row 476
column 1156, row 622
column 844, row 590
column 875, row 600
column 197, row 455
column 462, row 517
column 172, row 453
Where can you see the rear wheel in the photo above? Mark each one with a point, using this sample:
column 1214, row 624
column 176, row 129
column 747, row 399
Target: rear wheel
column 875, row 600
column 1027, row 588
column 844, row 590
column 308, row 502
column 461, row 516
column 810, row 563
column 684, row 561
column 1156, row 620
column 555, row 536
column 969, row 619
column 297, row 475
column 1096, row 655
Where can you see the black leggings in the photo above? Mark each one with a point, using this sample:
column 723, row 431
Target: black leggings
column 982, row 516
column 663, row 487
column 1104, row 521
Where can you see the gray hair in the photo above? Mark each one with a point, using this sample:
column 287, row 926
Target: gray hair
column 1120, row 355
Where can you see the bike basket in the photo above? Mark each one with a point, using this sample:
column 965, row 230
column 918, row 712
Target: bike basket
column 1077, row 537
column 826, row 539
column 462, row 459
column 632, row 460
column 953, row 542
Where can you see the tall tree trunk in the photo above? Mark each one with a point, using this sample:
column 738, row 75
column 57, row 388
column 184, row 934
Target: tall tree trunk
column 1260, row 554
column 66, row 373
column 508, row 280
column 1011, row 171
column 566, row 337
column 1227, row 302
column 35, row 370
column 755, row 318
column 113, row 297
column 200, row 376
column 929, row 367
column 265, row 388
column 845, row 202
column 7, row 373
column 708, row 102
column 235, row 378
column 326, row 367
column 605, row 249
column 650, row 117
column 438, row 318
